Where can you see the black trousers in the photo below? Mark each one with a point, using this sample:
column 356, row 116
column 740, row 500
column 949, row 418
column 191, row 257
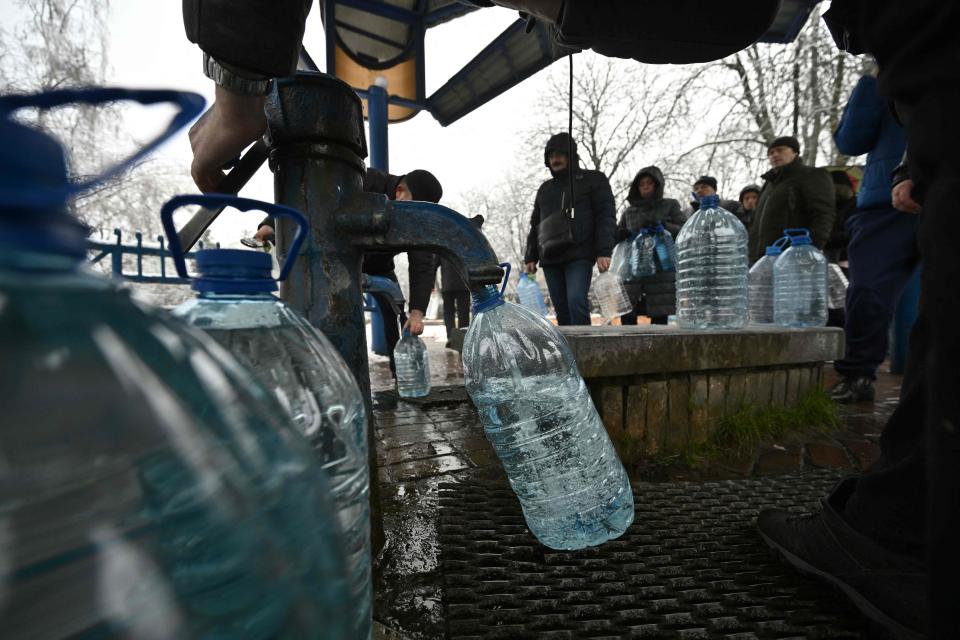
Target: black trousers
column 910, row 500
column 883, row 256
column 456, row 310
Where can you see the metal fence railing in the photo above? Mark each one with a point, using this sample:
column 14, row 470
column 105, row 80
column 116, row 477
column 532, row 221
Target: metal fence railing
column 155, row 256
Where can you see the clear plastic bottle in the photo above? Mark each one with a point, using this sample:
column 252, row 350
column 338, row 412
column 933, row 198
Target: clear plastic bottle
column 538, row 414
column 712, row 269
column 800, row 283
column 621, row 262
column 528, row 291
column 297, row 363
column 610, row 295
column 760, row 280
column 643, row 259
column 151, row 488
column 413, row 367
column 666, row 250
column 836, row 287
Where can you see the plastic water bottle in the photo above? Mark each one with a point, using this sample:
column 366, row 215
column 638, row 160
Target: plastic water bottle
column 538, row 414
column 760, row 278
column 666, row 250
column 800, row 283
column 610, row 295
column 712, row 269
column 621, row 262
column 297, row 363
column 530, row 295
column 151, row 487
column 836, row 287
column 644, row 254
column 413, row 367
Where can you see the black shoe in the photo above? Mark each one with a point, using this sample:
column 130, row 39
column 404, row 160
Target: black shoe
column 853, row 389
column 887, row 588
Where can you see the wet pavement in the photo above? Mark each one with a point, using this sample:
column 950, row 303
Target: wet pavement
column 438, row 440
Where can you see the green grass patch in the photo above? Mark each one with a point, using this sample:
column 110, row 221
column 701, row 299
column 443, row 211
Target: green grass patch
column 751, row 425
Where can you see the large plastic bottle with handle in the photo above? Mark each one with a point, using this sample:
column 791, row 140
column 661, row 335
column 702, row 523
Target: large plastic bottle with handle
column 800, row 283
column 539, row 416
column 235, row 305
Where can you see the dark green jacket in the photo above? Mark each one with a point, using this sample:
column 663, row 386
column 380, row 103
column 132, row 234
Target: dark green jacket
column 794, row 196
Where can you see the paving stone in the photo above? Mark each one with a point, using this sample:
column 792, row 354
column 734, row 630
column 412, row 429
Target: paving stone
column 827, row 455
column 414, row 452
column 429, row 467
column 866, row 453
column 779, row 459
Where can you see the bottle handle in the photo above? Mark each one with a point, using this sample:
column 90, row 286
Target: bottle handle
column 798, row 232
column 506, row 276
column 190, row 105
column 212, row 200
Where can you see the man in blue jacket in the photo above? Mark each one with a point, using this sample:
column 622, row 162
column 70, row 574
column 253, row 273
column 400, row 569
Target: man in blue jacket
column 883, row 251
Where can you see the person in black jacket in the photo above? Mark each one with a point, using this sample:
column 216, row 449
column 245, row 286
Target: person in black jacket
column 416, row 185
column 749, row 196
column 654, row 296
column 887, row 539
column 456, row 294
column 567, row 247
column 707, row 186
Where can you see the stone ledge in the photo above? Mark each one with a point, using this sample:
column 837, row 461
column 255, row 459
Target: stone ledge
column 612, row 351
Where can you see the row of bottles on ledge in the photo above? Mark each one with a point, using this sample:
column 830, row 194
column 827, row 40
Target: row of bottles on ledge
column 152, row 486
column 538, row 414
column 716, row 290
column 789, row 284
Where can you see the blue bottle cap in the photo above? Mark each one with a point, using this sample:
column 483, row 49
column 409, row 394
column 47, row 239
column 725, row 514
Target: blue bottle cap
column 710, row 202
column 233, row 271
column 489, row 297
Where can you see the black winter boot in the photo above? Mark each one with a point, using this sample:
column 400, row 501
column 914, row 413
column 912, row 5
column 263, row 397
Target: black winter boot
column 889, row 589
column 853, row 389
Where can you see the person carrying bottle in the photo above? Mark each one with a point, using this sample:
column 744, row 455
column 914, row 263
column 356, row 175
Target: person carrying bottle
column 455, row 294
column 416, row 185
column 794, row 196
column 566, row 240
column 653, row 295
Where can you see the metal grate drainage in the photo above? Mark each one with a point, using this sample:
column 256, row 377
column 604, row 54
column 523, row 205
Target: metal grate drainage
column 691, row 566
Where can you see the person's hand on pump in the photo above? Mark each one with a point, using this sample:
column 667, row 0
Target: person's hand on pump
column 603, row 263
column 229, row 126
column 414, row 322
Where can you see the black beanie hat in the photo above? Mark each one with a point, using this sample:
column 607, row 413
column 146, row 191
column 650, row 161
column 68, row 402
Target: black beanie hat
column 710, row 181
column 786, row 141
column 423, row 186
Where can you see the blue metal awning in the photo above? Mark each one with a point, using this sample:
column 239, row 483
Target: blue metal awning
column 380, row 34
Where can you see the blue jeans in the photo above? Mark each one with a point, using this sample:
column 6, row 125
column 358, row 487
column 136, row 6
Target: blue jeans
column 883, row 255
column 569, row 286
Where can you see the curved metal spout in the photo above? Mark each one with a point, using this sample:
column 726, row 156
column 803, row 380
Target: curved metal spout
column 422, row 226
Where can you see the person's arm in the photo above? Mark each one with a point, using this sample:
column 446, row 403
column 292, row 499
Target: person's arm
column 604, row 220
column 862, row 119
column 246, row 43
column 532, row 253
column 252, row 37
column 423, row 275
column 902, row 193
column 622, row 233
column 820, row 206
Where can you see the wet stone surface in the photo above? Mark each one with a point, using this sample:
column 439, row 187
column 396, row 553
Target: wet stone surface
column 438, row 441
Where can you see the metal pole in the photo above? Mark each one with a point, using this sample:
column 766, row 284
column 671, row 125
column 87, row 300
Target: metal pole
column 330, row 34
column 377, row 119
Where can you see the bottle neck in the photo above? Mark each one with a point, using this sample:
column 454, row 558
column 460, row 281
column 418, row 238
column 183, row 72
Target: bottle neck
column 486, row 298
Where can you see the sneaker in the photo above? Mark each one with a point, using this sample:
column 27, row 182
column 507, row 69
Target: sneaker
column 853, row 389
column 887, row 588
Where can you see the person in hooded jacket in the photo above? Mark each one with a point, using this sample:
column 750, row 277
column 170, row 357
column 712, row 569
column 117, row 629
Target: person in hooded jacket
column 749, row 196
column 568, row 246
column 654, row 296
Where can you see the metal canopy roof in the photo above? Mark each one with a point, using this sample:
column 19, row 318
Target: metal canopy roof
column 380, row 34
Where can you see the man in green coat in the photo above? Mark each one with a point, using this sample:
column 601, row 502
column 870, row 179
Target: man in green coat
column 793, row 196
